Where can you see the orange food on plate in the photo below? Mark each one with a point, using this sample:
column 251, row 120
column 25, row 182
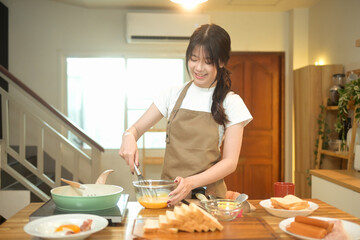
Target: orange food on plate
column 71, row 227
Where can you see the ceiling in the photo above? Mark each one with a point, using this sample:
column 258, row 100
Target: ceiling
column 211, row 5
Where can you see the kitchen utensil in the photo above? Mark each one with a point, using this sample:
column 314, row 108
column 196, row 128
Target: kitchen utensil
column 223, row 209
column 85, row 191
column 242, row 197
column 102, row 178
column 201, row 197
column 67, row 199
column 147, row 191
column 245, row 204
column 160, row 188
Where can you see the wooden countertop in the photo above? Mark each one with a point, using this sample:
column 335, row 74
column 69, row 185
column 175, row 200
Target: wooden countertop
column 345, row 178
column 13, row 227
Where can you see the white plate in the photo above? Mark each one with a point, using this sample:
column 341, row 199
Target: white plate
column 287, row 213
column 351, row 228
column 45, row 227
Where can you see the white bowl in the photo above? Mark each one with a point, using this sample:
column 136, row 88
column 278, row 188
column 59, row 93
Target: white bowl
column 283, row 213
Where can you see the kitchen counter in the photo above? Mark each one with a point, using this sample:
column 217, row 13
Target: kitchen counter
column 340, row 188
column 13, row 227
column 344, row 178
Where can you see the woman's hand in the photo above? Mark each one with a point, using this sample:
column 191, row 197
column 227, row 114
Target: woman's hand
column 181, row 191
column 129, row 150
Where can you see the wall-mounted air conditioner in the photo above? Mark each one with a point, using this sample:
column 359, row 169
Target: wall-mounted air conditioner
column 162, row 27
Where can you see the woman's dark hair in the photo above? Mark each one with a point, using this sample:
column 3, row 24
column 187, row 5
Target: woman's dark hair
column 215, row 42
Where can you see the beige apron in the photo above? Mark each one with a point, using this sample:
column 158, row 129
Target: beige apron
column 192, row 139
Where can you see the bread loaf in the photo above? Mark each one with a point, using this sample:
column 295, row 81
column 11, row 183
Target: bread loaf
column 183, row 218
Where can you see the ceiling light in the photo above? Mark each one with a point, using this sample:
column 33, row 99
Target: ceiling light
column 188, row 4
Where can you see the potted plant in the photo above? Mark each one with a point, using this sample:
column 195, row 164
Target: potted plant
column 349, row 99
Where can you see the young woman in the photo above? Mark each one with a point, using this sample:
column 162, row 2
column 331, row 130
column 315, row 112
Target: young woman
column 203, row 115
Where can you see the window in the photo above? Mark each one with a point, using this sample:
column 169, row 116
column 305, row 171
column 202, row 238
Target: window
column 107, row 95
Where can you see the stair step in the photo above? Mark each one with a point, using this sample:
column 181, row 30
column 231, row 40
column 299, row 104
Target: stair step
column 36, row 181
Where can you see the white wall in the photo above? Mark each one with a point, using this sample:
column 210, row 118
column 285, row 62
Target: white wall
column 334, row 27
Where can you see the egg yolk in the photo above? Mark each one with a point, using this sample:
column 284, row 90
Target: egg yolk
column 72, row 227
column 154, row 202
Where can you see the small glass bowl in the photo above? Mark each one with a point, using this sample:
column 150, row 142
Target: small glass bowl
column 223, row 209
column 153, row 193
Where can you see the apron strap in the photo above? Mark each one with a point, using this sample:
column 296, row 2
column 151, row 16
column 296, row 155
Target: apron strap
column 176, row 109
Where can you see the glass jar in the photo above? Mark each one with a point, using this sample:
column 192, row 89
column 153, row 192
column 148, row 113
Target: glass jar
column 339, row 79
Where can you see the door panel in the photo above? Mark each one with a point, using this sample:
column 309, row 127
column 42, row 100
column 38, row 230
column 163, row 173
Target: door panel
column 257, row 78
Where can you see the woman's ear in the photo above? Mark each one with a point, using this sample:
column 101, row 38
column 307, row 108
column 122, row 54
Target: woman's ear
column 221, row 64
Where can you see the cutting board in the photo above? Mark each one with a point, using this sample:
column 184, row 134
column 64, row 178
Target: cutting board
column 240, row 228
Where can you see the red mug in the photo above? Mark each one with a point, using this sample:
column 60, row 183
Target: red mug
column 281, row 189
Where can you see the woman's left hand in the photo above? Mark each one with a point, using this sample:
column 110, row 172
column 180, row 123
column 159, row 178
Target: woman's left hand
column 181, row 191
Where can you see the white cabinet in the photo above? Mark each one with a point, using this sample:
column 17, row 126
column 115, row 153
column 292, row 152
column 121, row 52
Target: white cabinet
column 337, row 189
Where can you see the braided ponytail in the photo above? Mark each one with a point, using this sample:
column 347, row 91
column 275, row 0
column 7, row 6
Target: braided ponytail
column 221, row 90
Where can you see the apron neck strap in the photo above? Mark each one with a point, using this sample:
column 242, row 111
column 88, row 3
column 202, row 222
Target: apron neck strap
column 179, row 100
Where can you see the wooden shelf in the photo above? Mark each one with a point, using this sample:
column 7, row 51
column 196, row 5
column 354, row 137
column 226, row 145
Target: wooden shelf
column 343, row 155
column 332, row 108
column 349, row 156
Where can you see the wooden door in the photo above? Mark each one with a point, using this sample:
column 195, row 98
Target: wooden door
column 258, row 79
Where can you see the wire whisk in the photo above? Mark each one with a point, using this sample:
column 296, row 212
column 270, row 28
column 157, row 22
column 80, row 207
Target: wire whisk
column 147, row 191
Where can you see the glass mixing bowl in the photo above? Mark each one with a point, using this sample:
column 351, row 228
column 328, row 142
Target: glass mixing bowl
column 153, row 193
column 223, row 209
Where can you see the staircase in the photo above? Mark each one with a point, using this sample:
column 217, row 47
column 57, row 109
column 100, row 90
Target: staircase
column 35, row 150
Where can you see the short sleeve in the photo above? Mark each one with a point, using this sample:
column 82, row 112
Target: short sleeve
column 161, row 101
column 165, row 101
column 236, row 110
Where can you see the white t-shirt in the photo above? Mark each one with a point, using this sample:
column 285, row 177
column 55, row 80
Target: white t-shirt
column 200, row 99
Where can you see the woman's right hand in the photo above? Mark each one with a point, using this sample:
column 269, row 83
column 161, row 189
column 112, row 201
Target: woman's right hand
column 129, row 150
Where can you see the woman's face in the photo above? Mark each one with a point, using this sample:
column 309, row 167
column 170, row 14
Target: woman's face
column 201, row 69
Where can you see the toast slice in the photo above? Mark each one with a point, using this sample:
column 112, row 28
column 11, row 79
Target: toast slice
column 151, row 225
column 289, row 202
column 172, row 219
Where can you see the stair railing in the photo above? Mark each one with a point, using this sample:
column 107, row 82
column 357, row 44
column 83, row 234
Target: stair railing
column 27, row 119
